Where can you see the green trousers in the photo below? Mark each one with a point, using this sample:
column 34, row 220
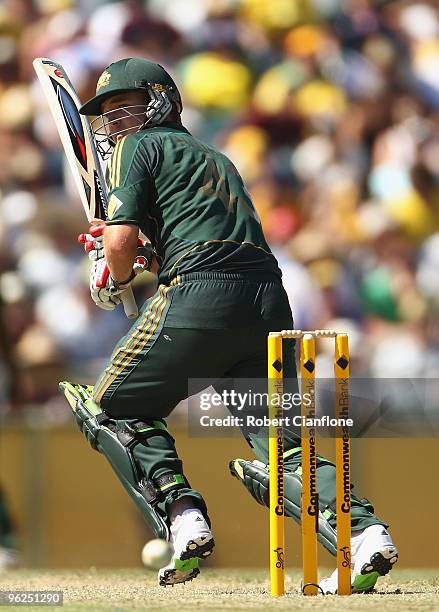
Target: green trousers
column 213, row 327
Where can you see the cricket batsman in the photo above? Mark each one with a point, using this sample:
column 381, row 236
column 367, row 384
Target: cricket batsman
column 219, row 294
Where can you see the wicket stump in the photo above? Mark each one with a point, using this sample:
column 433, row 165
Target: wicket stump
column 276, row 454
column 310, row 498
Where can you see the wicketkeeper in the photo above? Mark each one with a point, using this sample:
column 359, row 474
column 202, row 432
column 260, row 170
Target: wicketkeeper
column 219, row 294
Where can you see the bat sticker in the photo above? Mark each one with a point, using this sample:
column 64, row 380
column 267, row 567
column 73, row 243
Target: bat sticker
column 73, row 122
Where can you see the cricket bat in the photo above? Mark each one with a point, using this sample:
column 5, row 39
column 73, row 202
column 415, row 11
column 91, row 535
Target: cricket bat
column 77, row 140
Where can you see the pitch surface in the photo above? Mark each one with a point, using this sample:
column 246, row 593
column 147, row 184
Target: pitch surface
column 218, row 590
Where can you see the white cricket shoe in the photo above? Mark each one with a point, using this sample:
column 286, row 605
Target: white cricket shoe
column 191, row 540
column 373, row 555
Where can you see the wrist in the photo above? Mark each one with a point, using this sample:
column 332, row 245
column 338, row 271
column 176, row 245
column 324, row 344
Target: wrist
column 123, row 284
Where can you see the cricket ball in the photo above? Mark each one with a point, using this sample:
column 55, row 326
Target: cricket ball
column 156, row 554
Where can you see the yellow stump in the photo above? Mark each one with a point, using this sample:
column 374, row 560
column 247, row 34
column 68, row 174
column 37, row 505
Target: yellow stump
column 310, row 498
column 276, row 462
column 342, row 464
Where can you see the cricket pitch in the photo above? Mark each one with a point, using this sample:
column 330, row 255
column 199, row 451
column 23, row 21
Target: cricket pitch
column 218, row 590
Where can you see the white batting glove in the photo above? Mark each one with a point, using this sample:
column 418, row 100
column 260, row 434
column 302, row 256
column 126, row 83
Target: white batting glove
column 103, row 292
column 94, row 241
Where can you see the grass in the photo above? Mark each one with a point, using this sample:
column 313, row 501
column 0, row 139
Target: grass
column 218, row 590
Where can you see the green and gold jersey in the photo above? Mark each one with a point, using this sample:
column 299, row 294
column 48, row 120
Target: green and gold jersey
column 189, row 200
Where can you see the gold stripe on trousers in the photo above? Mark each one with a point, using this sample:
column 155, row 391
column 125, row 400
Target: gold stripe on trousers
column 136, row 343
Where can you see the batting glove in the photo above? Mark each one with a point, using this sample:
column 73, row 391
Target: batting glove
column 94, row 241
column 103, row 292
column 94, row 245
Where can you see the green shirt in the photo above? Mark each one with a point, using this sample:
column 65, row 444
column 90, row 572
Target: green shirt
column 189, row 200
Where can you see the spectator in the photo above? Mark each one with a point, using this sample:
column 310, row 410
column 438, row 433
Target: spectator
column 328, row 109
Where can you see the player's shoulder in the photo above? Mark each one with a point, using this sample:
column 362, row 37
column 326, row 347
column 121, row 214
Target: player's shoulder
column 131, row 142
column 137, row 146
column 153, row 140
column 133, row 158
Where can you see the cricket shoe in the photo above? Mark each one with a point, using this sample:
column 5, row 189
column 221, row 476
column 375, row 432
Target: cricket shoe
column 191, row 540
column 373, row 555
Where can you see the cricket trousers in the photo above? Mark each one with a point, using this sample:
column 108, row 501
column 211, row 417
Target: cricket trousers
column 205, row 328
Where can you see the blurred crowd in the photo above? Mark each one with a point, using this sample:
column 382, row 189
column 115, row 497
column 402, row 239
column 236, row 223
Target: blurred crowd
column 329, row 109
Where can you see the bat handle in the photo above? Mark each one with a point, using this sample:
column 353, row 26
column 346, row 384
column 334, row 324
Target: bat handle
column 129, row 303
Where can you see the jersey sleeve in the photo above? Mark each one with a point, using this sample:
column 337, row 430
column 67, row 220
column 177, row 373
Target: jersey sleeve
column 130, row 176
